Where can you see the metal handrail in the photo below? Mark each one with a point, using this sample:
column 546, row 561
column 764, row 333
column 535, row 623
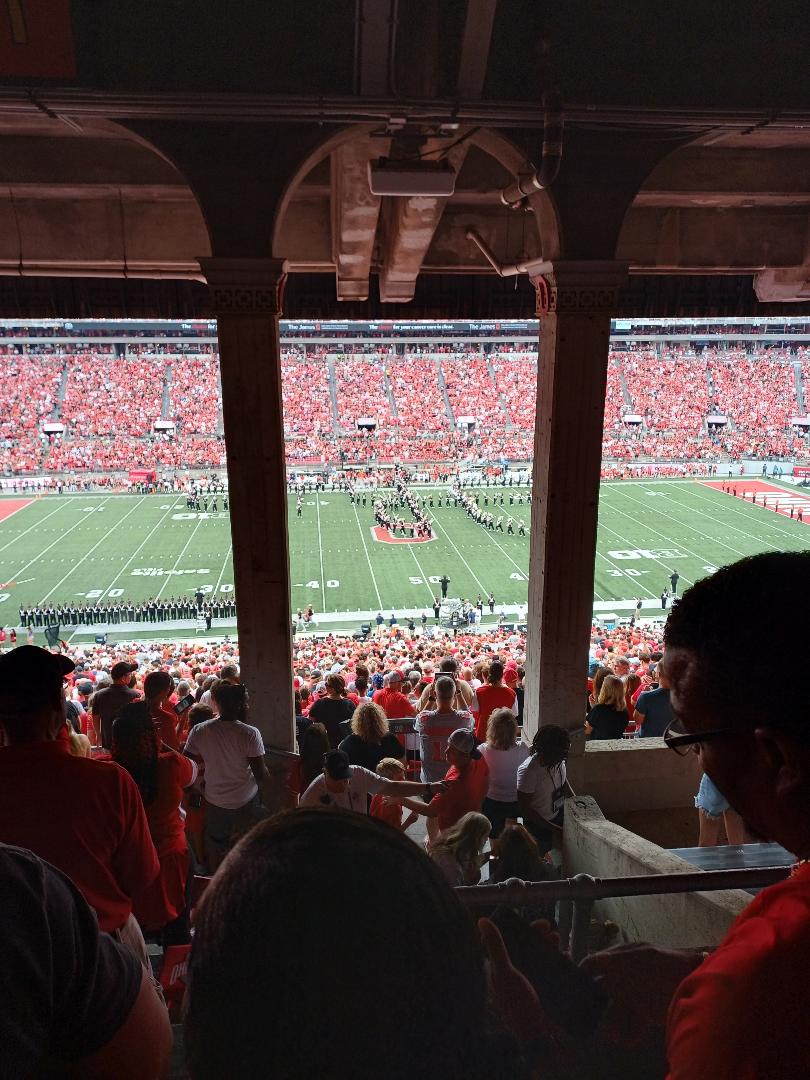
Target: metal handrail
column 583, row 890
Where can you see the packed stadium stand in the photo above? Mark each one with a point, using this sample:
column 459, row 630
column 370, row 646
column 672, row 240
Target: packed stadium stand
column 94, row 405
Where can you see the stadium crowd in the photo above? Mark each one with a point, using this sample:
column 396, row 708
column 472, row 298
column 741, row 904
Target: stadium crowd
column 119, row 773
column 109, row 403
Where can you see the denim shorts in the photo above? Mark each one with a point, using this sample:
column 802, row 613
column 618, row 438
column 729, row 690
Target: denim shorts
column 709, row 799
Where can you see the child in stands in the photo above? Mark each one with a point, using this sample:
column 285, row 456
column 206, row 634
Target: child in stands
column 391, row 812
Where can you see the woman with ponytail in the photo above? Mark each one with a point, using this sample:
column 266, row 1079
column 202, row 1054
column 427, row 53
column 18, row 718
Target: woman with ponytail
column 232, row 752
column 161, row 775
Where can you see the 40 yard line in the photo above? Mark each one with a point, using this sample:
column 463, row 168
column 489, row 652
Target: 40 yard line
column 368, row 558
column 320, row 550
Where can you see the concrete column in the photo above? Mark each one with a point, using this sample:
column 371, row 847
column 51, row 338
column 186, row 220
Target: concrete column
column 574, row 304
column 246, row 295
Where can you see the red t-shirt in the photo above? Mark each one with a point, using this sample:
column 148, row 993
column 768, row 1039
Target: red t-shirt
column 388, row 812
column 83, row 816
column 395, row 705
column 166, row 825
column 489, row 699
column 742, row 1015
column 463, row 794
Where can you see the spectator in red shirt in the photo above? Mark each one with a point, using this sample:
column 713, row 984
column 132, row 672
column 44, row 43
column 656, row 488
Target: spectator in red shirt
column 391, row 700
column 85, row 817
column 158, row 687
column 162, row 776
column 382, row 807
column 739, row 1013
column 492, row 695
column 466, row 782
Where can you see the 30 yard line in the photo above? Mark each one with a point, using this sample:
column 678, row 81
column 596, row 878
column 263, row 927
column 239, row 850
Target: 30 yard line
column 368, row 557
column 320, row 550
column 90, row 551
column 222, row 571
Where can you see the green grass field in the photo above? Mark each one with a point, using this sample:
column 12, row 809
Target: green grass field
column 95, row 547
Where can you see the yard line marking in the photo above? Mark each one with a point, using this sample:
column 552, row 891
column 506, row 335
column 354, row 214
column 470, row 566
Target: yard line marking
column 425, row 581
column 53, row 543
column 626, row 540
column 691, row 528
column 368, row 557
column 137, row 550
column 62, row 504
column 455, row 548
column 90, row 551
column 222, row 571
column 179, row 557
column 320, row 551
column 699, row 490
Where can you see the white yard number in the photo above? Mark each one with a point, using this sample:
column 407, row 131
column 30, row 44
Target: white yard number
column 416, row 581
column 4, row 596
column 646, row 553
column 710, row 569
column 226, row 588
column 518, row 577
column 115, row 592
column 333, row 583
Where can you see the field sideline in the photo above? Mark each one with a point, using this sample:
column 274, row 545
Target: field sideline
column 84, row 548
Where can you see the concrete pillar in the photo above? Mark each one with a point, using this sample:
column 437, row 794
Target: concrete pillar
column 574, row 304
column 246, row 295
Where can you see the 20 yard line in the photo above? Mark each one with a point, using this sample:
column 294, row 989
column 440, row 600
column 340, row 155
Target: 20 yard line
column 320, row 550
column 368, row 557
column 90, row 551
column 170, row 575
column 138, row 549
column 53, row 543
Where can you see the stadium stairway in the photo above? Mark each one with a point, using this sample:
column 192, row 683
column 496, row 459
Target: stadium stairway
column 508, row 425
column 443, row 388
column 389, row 392
column 330, row 367
column 628, row 400
column 220, row 421
column 60, row 393
column 799, row 384
column 165, row 404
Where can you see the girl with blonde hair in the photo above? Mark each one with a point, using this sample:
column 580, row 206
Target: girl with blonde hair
column 504, row 755
column 370, row 740
column 609, row 717
column 459, row 851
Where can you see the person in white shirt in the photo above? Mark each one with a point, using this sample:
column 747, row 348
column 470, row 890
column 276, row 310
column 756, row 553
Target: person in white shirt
column 348, row 787
column 232, row 752
column 229, row 674
column 542, row 785
column 503, row 755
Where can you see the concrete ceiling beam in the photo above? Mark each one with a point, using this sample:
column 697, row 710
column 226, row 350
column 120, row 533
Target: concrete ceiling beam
column 355, row 212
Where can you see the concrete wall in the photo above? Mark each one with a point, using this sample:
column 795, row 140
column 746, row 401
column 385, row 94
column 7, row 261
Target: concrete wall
column 593, row 845
column 640, row 784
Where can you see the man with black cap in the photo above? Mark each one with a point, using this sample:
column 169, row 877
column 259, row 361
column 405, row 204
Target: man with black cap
column 106, row 704
column 83, row 816
column 348, row 786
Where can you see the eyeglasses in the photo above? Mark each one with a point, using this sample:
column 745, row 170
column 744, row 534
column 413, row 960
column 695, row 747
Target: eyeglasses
column 687, row 742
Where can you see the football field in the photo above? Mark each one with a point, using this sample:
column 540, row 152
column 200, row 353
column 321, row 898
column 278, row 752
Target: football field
column 100, row 548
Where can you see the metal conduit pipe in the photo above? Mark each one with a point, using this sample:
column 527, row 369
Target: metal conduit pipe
column 583, row 887
column 551, row 157
column 532, row 266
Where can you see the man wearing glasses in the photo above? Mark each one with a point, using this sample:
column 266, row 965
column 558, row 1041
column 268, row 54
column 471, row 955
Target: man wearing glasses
column 742, row 1011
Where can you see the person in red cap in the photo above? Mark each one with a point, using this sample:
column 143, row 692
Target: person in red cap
column 83, row 816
